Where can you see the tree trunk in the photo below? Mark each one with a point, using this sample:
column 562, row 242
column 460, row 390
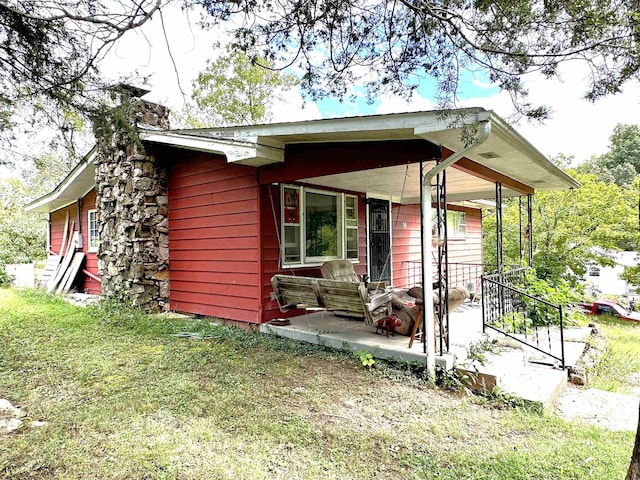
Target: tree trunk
column 634, row 467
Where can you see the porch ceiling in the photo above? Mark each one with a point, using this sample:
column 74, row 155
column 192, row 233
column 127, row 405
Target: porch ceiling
column 402, row 184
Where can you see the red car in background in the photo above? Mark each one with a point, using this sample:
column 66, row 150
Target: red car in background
column 609, row 307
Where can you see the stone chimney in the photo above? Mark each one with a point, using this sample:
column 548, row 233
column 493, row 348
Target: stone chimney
column 131, row 203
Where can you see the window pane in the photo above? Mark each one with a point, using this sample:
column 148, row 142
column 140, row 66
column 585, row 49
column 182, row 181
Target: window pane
column 351, row 211
column 94, row 240
column 321, row 225
column 456, row 224
column 291, row 206
column 291, row 244
column 352, row 243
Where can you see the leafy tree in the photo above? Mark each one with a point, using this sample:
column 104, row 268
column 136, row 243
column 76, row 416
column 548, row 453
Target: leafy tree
column 236, row 90
column 625, row 147
column 51, row 48
column 392, row 45
column 22, row 237
column 621, row 163
column 22, row 234
column 50, row 51
column 571, row 229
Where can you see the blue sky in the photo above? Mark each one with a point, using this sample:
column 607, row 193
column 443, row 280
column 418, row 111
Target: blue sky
column 472, row 85
column 577, row 127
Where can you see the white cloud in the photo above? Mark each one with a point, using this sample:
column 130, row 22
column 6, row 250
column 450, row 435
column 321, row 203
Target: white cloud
column 576, row 127
column 293, row 109
column 395, row 104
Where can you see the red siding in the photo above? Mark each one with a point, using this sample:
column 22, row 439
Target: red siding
column 318, row 159
column 407, row 243
column 56, row 228
column 83, row 283
column 468, row 250
column 91, row 259
column 214, row 238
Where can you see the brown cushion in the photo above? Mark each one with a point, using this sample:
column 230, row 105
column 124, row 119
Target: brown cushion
column 415, row 292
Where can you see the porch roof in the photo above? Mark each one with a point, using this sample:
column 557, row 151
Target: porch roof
column 506, row 155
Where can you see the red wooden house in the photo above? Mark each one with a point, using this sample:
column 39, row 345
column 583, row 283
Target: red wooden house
column 245, row 203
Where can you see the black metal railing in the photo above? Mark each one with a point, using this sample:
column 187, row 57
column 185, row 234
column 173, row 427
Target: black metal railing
column 508, row 309
column 468, row 275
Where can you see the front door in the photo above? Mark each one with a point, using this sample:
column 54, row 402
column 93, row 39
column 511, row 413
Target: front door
column 379, row 241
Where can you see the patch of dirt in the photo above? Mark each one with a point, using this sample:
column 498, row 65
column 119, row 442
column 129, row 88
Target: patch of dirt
column 614, row 411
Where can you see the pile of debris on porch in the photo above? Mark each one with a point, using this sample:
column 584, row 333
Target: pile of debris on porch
column 61, row 270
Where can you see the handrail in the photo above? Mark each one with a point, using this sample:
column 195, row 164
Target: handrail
column 518, row 315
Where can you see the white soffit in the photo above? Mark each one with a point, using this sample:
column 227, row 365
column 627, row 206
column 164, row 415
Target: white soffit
column 79, row 182
column 508, row 153
column 402, row 184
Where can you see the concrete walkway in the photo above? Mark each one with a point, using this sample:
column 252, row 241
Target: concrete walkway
column 614, row 411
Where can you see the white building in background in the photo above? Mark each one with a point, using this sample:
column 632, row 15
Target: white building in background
column 606, row 280
column 21, row 275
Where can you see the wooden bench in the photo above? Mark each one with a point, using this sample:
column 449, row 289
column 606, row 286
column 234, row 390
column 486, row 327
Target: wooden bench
column 352, row 298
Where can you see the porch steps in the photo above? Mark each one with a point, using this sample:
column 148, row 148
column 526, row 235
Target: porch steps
column 511, row 369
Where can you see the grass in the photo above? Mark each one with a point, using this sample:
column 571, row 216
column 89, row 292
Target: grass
column 619, row 370
column 124, row 399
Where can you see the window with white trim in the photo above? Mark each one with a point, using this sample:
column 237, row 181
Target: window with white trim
column 318, row 226
column 94, row 236
column 456, row 224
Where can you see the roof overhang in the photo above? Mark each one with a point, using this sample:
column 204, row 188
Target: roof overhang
column 246, row 150
column 79, row 182
column 505, row 153
column 505, row 156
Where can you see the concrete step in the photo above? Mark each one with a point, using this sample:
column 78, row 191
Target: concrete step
column 510, row 371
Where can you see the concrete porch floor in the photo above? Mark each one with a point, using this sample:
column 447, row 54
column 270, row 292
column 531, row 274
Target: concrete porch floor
column 514, row 369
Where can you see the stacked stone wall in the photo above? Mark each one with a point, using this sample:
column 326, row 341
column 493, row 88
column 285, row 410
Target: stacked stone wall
column 132, row 208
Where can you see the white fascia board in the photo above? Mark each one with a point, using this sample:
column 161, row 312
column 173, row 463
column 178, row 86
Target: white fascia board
column 336, row 125
column 502, row 128
column 248, row 150
column 451, row 121
column 79, row 182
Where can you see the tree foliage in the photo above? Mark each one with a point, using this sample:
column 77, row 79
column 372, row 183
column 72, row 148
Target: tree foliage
column 571, row 229
column 392, row 44
column 235, row 89
column 22, row 237
column 22, row 234
column 50, row 50
column 621, row 164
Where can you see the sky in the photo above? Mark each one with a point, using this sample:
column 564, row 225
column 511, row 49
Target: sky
column 576, row 127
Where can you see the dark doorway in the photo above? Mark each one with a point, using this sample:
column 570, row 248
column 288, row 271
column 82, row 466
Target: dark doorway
column 379, row 241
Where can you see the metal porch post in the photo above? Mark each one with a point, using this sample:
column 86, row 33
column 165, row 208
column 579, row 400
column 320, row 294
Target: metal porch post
column 530, row 228
column 443, row 260
column 521, row 245
column 499, row 226
column 499, row 244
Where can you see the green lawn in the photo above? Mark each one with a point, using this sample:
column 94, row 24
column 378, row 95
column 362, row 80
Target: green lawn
column 123, row 398
column 620, row 368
